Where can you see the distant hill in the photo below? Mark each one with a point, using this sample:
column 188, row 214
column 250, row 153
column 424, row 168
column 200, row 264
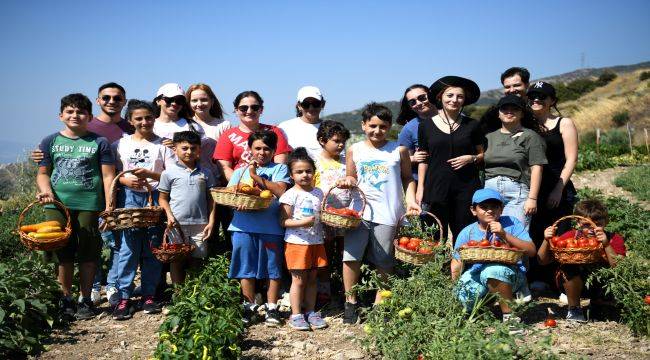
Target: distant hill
column 351, row 119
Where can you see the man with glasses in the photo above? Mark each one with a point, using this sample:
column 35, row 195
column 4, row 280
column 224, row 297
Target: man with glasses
column 301, row 130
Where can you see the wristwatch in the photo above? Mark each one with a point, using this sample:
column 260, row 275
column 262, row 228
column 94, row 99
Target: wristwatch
column 474, row 158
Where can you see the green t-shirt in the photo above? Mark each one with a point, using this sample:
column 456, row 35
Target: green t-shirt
column 512, row 155
column 76, row 176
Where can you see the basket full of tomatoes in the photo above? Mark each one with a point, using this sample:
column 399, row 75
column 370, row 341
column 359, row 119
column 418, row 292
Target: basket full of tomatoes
column 342, row 218
column 490, row 251
column 415, row 245
column 583, row 248
column 171, row 251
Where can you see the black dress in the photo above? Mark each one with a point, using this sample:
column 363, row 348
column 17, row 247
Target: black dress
column 447, row 192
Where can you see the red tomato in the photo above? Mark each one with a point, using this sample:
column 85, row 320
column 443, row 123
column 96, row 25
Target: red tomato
column 403, row 241
column 416, row 239
column 583, row 243
column 413, row 246
column 550, row 322
column 425, row 250
column 647, row 299
column 554, row 240
column 472, row 243
column 464, row 246
column 570, row 244
column 592, row 242
column 497, row 243
column 561, row 244
column 484, row 243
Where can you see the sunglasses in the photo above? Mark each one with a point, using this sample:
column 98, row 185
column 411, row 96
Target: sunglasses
column 178, row 100
column 244, row 108
column 116, row 98
column 537, row 96
column 317, row 104
column 421, row 98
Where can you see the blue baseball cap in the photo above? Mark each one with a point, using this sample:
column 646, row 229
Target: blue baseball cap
column 486, row 194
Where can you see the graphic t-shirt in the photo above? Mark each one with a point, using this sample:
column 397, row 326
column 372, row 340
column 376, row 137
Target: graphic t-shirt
column 512, row 155
column 305, row 204
column 233, row 145
column 302, row 134
column 150, row 155
column 76, row 176
column 328, row 171
column 265, row 221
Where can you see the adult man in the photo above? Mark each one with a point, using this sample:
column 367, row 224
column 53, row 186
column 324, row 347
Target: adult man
column 515, row 81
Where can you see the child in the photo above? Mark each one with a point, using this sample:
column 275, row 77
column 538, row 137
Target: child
column 144, row 152
column 382, row 170
column 185, row 195
column 257, row 238
column 478, row 279
column 570, row 278
column 304, row 250
column 330, row 166
column 77, row 169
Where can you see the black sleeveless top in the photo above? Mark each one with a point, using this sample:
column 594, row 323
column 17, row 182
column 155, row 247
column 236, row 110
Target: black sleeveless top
column 556, row 160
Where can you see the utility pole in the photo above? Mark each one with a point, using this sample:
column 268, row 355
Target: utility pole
column 582, row 60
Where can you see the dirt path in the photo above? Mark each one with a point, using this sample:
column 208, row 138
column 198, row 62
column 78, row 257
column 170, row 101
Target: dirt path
column 604, row 180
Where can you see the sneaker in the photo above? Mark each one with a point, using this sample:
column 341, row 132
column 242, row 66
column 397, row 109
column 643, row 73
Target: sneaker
column 523, row 296
column 298, row 322
column 68, row 307
column 150, row 306
column 273, row 317
column 563, row 299
column 351, row 313
column 575, row 314
column 123, row 310
column 95, row 297
column 316, row 321
column 85, row 310
column 250, row 314
column 112, row 295
column 514, row 324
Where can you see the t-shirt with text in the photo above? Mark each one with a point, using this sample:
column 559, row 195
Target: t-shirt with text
column 233, row 145
column 512, row 155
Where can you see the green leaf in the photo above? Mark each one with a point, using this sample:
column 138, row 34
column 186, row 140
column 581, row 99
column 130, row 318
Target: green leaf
column 20, row 303
column 2, row 316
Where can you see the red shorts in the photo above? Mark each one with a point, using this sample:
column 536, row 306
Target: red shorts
column 305, row 257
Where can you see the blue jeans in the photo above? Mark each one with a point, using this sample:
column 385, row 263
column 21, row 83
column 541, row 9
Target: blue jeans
column 136, row 250
column 112, row 242
column 514, row 195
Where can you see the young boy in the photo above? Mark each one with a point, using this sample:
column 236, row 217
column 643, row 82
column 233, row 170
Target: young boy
column 77, row 169
column 382, row 170
column 570, row 278
column 185, row 195
column 479, row 279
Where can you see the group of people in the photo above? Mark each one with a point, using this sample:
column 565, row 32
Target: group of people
column 178, row 147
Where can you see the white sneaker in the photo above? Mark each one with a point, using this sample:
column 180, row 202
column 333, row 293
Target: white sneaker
column 563, row 299
column 95, row 297
column 112, row 296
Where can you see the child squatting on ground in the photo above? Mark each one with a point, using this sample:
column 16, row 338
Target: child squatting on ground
column 477, row 280
column 304, row 249
column 571, row 278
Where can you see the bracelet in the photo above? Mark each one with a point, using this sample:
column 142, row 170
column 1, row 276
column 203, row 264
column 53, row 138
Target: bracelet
column 530, row 198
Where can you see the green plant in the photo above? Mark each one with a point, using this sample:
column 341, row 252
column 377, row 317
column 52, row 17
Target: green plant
column 621, row 118
column 589, row 159
column 205, row 320
column 605, row 78
column 28, row 305
column 635, row 180
column 644, row 76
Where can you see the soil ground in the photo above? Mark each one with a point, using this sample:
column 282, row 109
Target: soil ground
column 104, row 338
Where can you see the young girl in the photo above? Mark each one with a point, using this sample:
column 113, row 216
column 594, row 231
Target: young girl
column 304, row 250
column 381, row 169
column 170, row 110
column 257, row 237
column 144, row 153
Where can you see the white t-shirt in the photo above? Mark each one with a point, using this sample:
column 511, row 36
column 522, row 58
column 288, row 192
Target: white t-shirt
column 304, row 204
column 167, row 130
column 300, row 133
column 211, row 133
column 151, row 155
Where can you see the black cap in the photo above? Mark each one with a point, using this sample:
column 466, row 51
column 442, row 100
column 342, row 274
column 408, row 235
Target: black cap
column 472, row 91
column 512, row 100
column 542, row 87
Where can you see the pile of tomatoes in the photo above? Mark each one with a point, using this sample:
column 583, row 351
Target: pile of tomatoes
column 174, row 247
column 417, row 245
column 581, row 242
column 343, row 212
column 487, row 243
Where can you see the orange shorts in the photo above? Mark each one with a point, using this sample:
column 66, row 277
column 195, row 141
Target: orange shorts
column 305, row 257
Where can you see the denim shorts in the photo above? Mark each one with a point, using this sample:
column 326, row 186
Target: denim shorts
column 514, row 194
column 472, row 285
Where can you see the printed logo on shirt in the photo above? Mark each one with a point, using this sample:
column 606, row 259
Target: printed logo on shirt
column 374, row 172
column 140, row 158
column 73, row 171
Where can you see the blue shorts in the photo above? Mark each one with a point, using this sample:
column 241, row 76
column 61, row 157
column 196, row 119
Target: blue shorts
column 472, row 285
column 256, row 256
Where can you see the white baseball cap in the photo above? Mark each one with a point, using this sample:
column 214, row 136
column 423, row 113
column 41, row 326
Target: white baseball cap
column 309, row 92
column 170, row 90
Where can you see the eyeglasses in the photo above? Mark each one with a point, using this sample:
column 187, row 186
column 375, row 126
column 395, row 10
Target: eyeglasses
column 421, row 98
column 178, row 100
column 244, row 108
column 317, row 104
column 116, row 98
column 537, row 96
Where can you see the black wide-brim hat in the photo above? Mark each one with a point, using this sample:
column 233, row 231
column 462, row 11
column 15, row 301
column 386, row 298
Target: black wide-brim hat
column 472, row 91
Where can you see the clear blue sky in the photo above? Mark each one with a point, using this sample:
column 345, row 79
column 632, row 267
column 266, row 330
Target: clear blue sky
column 355, row 51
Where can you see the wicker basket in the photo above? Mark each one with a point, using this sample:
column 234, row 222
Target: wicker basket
column 491, row 254
column 123, row 218
column 232, row 197
column 45, row 244
column 410, row 256
column 576, row 255
column 168, row 255
column 341, row 221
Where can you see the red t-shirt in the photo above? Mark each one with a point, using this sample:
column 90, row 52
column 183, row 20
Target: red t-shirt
column 233, row 145
column 615, row 241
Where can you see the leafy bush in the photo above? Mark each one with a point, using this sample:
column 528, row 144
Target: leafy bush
column 635, row 180
column 589, row 159
column 205, row 319
column 423, row 317
column 644, row 76
column 605, row 78
column 28, row 305
column 621, row 118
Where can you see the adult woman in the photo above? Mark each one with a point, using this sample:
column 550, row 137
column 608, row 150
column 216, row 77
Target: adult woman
column 232, row 149
column 453, row 141
column 301, row 130
column 414, row 107
column 514, row 158
column 171, row 113
column 557, row 194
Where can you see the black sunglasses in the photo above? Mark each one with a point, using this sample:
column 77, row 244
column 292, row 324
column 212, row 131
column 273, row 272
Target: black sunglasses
column 244, row 108
column 537, row 96
column 421, row 98
column 311, row 103
column 178, row 100
column 107, row 98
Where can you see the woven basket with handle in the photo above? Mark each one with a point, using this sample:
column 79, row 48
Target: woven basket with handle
column 410, row 256
column 232, row 197
column 491, row 253
column 576, row 255
column 45, row 244
column 167, row 252
column 341, row 221
column 127, row 218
